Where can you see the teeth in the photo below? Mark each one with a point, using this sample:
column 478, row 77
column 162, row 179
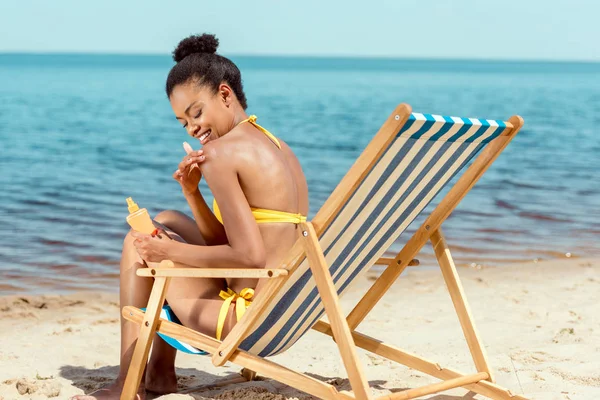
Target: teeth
column 204, row 135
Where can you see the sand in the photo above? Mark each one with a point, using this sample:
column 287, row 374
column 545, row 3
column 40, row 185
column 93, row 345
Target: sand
column 540, row 324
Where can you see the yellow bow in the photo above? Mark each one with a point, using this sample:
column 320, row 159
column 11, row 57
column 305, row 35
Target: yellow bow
column 251, row 119
column 242, row 301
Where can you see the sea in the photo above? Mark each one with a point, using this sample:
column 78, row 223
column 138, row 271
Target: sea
column 81, row 132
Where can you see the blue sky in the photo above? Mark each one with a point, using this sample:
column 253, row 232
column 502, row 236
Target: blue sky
column 510, row 29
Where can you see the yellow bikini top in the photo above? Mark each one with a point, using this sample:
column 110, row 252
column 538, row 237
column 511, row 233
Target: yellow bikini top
column 262, row 215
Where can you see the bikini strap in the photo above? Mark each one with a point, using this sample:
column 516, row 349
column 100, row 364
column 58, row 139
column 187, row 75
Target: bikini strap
column 252, row 119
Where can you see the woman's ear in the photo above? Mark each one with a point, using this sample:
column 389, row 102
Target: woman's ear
column 225, row 94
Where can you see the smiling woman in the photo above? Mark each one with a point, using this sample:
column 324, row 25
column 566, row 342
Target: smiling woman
column 262, row 195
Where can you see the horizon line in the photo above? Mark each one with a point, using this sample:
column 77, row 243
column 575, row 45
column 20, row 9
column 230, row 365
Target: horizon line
column 312, row 56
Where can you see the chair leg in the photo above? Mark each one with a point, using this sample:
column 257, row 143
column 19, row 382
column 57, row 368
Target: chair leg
column 460, row 302
column 339, row 325
column 144, row 341
column 428, row 367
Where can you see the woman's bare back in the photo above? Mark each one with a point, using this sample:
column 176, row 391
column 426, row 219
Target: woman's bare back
column 271, row 178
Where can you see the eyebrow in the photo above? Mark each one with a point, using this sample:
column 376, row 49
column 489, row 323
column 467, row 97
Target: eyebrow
column 187, row 109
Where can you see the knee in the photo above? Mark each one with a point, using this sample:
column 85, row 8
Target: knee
column 128, row 247
column 130, row 258
column 168, row 217
column 128, row 240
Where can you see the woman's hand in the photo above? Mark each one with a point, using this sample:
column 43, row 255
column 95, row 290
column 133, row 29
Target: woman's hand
column 188, row 173
column 152, row 248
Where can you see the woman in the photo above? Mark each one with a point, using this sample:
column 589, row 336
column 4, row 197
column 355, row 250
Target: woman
column 249, row 172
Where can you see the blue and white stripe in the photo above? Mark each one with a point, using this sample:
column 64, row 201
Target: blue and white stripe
column 427, row 152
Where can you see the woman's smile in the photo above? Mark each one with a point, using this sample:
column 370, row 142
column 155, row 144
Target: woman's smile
column 203, row 137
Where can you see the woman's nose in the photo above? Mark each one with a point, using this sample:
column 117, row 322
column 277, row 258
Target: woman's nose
column 193, row 129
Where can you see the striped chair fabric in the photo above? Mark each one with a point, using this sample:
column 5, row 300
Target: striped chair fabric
column 424, row 156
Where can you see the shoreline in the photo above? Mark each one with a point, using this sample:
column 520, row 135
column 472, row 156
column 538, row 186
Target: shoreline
column 108, row 282
column 538, row 323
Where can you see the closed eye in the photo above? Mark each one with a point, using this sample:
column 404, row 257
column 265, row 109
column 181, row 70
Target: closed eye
column 198, row 114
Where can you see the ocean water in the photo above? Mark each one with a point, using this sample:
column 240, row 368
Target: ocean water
column 80, row 133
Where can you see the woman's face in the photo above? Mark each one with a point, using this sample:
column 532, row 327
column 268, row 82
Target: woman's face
column 204, row 114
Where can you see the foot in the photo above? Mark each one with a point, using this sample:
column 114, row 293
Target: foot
column 110, row 392
column 161, row 382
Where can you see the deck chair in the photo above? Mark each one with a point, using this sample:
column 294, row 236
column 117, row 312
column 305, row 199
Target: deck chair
column 405, row 165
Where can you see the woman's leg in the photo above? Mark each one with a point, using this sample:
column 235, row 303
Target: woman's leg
column 181, row 224
column 135, row 291
column 160, row 374
column 196, row 302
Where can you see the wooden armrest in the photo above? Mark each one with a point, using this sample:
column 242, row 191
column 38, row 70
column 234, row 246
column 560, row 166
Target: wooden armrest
column 387, row 261
column 212, row 272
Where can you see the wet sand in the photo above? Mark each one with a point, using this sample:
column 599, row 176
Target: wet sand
column 540, row 324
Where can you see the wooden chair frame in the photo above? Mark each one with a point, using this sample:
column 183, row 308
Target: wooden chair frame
column 342, row 329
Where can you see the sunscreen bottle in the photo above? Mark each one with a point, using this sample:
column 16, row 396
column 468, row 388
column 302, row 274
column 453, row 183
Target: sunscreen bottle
column 138, row 218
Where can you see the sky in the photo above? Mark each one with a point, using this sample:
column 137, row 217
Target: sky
column 459, row 29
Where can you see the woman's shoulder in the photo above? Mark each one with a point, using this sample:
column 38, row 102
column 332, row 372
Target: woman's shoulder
column 226, row 149
column 241, row 150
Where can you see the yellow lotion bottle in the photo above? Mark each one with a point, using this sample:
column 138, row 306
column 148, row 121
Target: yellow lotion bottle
column 138, row 218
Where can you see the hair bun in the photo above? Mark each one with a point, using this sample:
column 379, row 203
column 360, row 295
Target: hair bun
column 205, row 43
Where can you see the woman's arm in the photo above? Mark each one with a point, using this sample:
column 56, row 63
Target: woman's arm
column 188, row 174
column 221, row 256
column 211, row 229
column 244, row 247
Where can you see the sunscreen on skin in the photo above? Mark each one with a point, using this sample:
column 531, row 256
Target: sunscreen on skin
column 138, row 218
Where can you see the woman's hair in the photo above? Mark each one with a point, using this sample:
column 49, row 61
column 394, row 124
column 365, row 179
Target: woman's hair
column 198, row 62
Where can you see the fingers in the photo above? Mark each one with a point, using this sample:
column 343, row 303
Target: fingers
column 151, row 248
column 142, row 237
column 195, row 153
column 136, row 234
column 161, row 233
column 193, row 162
column 139, row 237
column 189, row 163
column 195, row 157
column 142, row 244
column 177, row 175
column 192, row 158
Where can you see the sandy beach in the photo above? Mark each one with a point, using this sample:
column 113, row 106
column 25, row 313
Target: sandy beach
column 540, row 323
